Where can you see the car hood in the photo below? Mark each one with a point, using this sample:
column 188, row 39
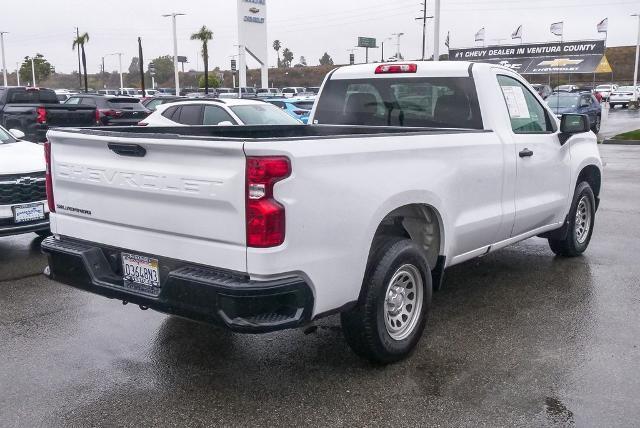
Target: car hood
column 21, row 156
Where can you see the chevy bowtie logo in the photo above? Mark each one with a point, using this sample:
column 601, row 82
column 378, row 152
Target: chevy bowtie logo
column 560, row 62
column 254, row 10
column 26, row 181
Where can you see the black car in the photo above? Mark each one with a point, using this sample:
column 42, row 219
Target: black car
column 153, row 103
column 113, row 111
column 543, row 90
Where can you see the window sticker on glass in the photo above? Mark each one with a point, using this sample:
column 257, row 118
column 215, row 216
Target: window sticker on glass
column 516, row 102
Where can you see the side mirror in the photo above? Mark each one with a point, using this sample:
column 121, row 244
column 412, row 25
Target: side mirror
column 17, row 134
column 226, row 123
column 573, row 124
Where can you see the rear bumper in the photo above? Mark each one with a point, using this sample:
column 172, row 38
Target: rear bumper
column 199, row 293
column 18, row 229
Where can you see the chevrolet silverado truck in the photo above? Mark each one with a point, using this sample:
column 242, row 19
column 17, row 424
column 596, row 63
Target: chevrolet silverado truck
column 405, row 170
column 23, row 199
column 34, row 111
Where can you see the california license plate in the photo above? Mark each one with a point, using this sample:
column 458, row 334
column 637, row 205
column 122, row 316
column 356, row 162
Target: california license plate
column 140, row 273
column 27, row 213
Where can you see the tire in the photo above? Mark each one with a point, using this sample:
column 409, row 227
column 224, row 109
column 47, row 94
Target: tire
column 596, row 126
column 580, row 227
column 43, row 233
column 388, row 322
column 612, row 106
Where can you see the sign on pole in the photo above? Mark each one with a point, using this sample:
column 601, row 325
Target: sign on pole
column 234, row 66
column 366, row 42
column 352, row 59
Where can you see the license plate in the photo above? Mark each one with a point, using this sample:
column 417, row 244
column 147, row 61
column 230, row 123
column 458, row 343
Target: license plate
column 27, row 213
column 140, row 273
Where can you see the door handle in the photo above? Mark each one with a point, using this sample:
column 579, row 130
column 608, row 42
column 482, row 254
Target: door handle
column 526, row 153
column 132, row 150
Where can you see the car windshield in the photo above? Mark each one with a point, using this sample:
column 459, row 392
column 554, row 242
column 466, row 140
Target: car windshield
column 562, row 101
column 5, row 137
column 263, row 114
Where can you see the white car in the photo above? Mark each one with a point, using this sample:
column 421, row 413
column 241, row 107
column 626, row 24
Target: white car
column 23, row 205
column 410, row 168
column 292, row 91
column 225, row 112
column 623, row 96
column 605, row 90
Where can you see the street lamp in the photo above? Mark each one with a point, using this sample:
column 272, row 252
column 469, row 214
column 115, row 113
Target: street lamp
column 119, row 67
column 4, row 65
column 173, row 15
column 398, row 35
column 635, row 69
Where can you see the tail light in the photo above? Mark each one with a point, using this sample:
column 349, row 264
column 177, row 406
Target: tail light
column 49, row 180
column 41, row 115
column 111, row 113
column 396, row 68
column 98, row 122
column 265, row 216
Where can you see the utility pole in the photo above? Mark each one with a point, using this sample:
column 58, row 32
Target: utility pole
column 18, row 73
column 436, row 32
column 141, row 63
column 4, row 64
column 635, row 69
column 424, row 27
column 176, row 70
column 398, row 35
column 104, row 83
column 79, row 65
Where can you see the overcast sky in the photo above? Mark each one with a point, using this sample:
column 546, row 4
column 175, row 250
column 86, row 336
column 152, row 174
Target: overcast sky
column 308, row 28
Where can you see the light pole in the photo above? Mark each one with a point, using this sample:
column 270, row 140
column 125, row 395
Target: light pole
column 424, row 18
column 4, row 64
column 119, row 67
column 176, row 71
column 18, row 72
column 635, row 69
column 398, row 35
column 436, row 31
column 33, row 73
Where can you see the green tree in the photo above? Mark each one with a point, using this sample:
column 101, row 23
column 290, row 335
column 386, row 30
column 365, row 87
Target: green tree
column 213, row 81
column 326, row 59
column 42, row 67
column 204, row 35
column 164, row 68
column 287, row 58
column 276, row 47
column 81, row 40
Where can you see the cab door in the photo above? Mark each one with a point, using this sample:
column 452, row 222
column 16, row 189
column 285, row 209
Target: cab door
column 543, row 168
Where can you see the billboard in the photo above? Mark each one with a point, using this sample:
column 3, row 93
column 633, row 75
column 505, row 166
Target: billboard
column 366, row 42
column 541, row 58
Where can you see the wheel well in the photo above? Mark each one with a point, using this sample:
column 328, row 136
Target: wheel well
column 591, row 174
column 418, row 222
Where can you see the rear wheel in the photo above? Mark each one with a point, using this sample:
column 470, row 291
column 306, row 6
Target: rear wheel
column 580, row 228
column 391, row 315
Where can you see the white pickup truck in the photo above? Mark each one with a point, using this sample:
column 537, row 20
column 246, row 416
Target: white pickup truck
column 406, row 169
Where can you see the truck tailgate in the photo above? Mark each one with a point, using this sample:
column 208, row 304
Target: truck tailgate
column 182, row 199
column 69, row 115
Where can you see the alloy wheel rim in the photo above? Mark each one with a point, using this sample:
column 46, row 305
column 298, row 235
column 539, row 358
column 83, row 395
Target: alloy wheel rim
column 403, row 302
column 583, row 220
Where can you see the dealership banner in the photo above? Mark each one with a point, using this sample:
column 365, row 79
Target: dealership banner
column 541, row 58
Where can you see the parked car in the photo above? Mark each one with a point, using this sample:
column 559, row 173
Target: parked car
column 292, row 91
column 63, row 94
column 34, row 110
column 148, row 93
column 543, row 90
column 152, row 103
column 605, row 90
column 267, row 92
column 266, row 228
column 108, row 92
column 23, row 205
column 566, row 88
column 580, row 103
column 623, row 95
column 113, row 111
column 297, row 108
column 130, row 92
column 218, row 112
column 312, row 90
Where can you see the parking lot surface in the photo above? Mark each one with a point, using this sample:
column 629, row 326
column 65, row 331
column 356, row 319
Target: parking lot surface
column 618, row 121
column 515, row 338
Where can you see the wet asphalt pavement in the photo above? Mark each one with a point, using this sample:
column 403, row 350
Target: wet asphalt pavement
column 618, row 121
column 517, row 338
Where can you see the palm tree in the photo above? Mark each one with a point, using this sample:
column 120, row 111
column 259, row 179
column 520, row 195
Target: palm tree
column 80, row 41
column 277, row 46
column 204, row 35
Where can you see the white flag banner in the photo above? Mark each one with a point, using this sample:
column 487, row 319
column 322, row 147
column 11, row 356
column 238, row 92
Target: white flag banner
column 480, row 35
column 556, row 28
column 517, row 34
column 603, row 26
